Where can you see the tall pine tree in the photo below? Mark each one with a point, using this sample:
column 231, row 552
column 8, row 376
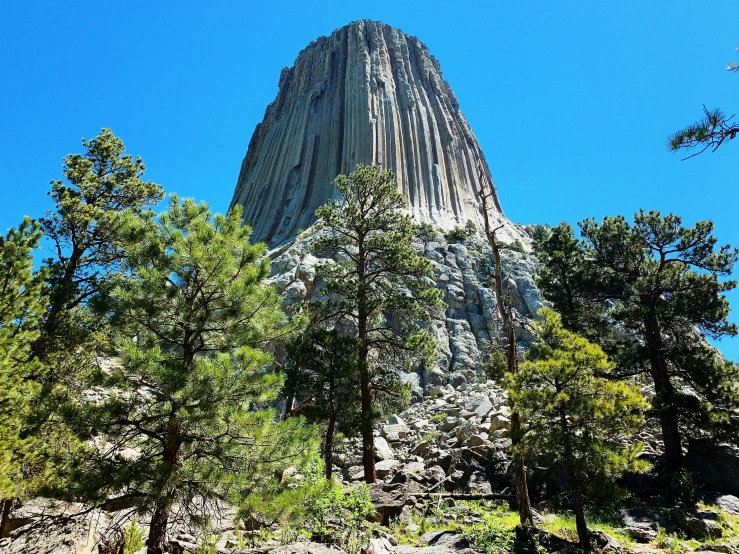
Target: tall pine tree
column 378, row 287
column 20, row 308
column 322, row 372
column 84, row 232
column 187, row 421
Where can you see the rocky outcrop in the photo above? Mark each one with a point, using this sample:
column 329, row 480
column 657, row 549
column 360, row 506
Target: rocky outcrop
column 370, row 94
column 463, row 271
column 716, row 465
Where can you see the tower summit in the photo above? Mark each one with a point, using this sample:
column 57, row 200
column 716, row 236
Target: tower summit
column 369, row 94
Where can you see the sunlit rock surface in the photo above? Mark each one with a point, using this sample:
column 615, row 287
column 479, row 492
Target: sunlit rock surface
column 368, row 93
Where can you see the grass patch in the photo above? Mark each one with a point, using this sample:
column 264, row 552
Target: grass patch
column 563, row 525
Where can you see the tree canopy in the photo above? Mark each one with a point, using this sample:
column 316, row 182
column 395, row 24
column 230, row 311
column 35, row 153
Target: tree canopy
column 574, row 416
column 378, row 287
column 646, row 292
column 187, row 422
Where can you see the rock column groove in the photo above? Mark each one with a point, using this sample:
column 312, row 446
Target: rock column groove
column 368, row 93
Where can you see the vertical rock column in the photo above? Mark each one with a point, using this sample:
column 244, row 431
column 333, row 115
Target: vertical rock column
column 366, row 94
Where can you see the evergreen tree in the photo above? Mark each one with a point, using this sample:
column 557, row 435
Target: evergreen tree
column 186, row 422
column 84, row 230
column 378, row 288
column 657, row 283
column 322, row 369
column 20, row 308
column 84, row 233
column 574, row 416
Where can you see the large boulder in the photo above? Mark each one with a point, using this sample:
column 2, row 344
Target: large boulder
column 642, row 523
column 440, row 542
column 388, row 503
column 715, row 465
column 386, row 467
column 727, row 502
column 383, row 450
column 701, row 524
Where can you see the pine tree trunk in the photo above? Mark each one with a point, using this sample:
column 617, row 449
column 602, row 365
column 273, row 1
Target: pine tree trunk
column 5, row 521
column 525, row 512
column 160, row 518
column 329, row 443
column 672, row 441
column 368, row 438
column 158, row 530
column 289, row 405
column 522, row 489
column 582, row 528
column 663, row 389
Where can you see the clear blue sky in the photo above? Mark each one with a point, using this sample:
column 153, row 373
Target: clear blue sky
column 571, row 100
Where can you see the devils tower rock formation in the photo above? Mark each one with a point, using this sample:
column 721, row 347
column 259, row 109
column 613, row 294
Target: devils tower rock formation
column 372, row 94
column 367, row 94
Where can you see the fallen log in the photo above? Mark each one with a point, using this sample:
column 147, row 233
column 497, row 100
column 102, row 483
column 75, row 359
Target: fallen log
column 463, row 496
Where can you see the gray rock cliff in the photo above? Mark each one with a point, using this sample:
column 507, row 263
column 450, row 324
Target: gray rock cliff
column 463, row 271
column 368, row 93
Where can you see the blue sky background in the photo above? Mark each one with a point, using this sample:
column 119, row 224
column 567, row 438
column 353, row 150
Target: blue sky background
column 571, row 101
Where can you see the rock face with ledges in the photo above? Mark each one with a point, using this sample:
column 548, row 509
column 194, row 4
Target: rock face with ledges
column 368, row 93
column 463, row 271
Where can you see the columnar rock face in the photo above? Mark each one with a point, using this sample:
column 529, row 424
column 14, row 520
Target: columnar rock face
column 367, row 94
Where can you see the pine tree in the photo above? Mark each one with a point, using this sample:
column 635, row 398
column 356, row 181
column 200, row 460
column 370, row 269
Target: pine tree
column 84, row 230
column 378, row 288
column 186, row 422
column 20, row 308
column 322, row 370
column 657, row 283
column 574, row 416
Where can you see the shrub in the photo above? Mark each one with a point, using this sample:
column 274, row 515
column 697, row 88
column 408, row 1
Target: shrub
column 516, row 246
column 343, row 515
column 681, row 487
column 133, row 538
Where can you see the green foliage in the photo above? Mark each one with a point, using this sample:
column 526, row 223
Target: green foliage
column 516, row 246
column 576, row 417
column 133, row 538
column 667, row 541
column 540, row 233
column 494, row 537
column 378, row 288
column 189, row 395
column 710, row 132
column 88, row 244
column 83, row 232
column 681, row 488
column 208, row 545
column 497, row 365
column 378, row 272
column 427, row 233
column 462, row 234
column 342, row 515
column 23, row 456
column 567, row 279
column 641, row 291
column 322, row 370
column 286, row 500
